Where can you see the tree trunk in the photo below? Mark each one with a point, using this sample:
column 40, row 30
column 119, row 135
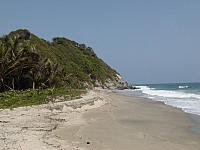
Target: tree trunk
column 13, row 83
column 33, row 81
column 1, row 85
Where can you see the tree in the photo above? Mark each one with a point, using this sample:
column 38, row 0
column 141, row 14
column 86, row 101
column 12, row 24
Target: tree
column 14, row 59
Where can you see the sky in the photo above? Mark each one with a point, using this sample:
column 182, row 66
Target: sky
column 146, row 41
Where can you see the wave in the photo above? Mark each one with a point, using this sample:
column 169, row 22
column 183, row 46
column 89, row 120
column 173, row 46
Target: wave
column 183, row 87
column 189, row 102
column 167, row 93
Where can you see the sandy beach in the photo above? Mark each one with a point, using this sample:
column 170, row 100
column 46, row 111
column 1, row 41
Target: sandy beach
column 101, row 120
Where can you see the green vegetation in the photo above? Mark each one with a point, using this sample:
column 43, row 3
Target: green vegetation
column 27, row 61
column 34, row 71
column 13, row 99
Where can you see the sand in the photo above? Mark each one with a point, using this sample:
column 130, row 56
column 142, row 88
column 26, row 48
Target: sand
column 31, row 128
column 101, row 120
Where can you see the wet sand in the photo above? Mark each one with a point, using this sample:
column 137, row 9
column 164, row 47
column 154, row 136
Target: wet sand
column 127, row 123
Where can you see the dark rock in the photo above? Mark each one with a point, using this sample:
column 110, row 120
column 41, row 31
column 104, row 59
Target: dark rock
column 133, row 87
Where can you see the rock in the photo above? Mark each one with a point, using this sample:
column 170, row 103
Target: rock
column 133, row 87
column 88, row 143
column 118, row 83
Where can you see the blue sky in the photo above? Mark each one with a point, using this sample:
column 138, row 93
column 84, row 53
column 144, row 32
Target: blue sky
column 147, row 41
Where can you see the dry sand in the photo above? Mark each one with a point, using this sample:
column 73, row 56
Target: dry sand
column 31, row 128
column 121, row 123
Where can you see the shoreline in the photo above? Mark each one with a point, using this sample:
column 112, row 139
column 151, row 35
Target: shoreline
column 195, row 119
column 101, row 120
column 128, row 122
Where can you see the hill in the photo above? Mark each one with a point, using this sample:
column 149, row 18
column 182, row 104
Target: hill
column 27, row 61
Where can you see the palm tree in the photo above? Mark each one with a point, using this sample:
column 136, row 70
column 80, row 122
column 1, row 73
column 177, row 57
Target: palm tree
column 20, row 64
column 14, row 59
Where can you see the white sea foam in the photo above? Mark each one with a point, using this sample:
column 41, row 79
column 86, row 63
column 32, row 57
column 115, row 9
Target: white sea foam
column 183, row 87
column 167, row 93
column 189, row 102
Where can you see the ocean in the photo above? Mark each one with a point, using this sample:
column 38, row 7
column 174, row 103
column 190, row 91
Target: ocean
column 181, row 95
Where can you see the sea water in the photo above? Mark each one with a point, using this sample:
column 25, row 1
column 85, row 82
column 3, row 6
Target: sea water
column 181, row 95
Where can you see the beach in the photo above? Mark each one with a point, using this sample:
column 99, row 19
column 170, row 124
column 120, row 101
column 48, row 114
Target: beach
column 101, row 120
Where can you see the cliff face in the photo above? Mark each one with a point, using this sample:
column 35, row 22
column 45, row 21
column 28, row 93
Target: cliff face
column 27, row 61
column 117, row 83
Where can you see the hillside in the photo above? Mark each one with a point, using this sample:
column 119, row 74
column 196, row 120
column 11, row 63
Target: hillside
column 27, row 61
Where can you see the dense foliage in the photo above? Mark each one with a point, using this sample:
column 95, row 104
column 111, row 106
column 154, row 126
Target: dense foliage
column 27, row 61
